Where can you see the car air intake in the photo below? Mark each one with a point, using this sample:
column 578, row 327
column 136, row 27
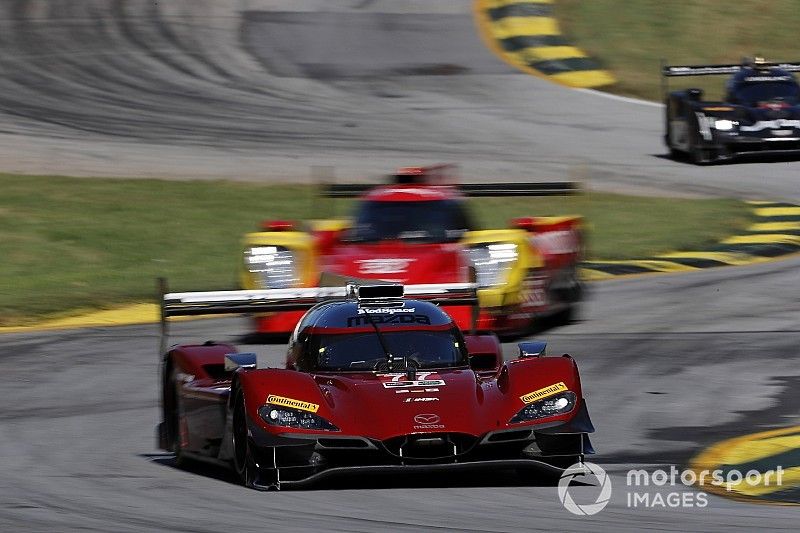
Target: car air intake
column 342, row 443
column 510, row 435
column 430, row 446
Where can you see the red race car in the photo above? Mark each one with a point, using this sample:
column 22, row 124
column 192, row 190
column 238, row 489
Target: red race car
column 418, row 230
column 373, row 382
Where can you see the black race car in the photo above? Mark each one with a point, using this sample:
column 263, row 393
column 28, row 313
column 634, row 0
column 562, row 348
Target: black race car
column 760, row 112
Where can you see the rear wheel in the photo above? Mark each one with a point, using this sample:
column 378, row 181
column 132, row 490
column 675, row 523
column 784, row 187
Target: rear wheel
column 566, row 316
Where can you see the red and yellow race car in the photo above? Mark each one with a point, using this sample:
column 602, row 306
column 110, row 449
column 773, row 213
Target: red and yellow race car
column 418, row 230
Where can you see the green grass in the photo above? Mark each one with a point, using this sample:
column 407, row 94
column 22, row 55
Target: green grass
column 631, row 36
column 75, row 243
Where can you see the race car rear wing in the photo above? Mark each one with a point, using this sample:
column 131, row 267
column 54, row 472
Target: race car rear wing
column 295, row 299
column 555, row 188
column 711, row 70
column 668, row 71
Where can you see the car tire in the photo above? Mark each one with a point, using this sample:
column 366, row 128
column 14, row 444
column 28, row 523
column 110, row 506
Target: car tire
column 700, row 156
column 674, row 153
column 566, row 316
column 243, row 458
column 172, row 412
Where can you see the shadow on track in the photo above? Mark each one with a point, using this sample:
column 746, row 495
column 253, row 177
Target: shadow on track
column 500, row 478
column 740, row 159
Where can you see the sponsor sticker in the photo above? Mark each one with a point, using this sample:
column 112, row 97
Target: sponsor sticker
column 415, row 383
column 363, row 319
column 385, row 310
column 771, row 124
column 534, row 292
column 421, row 399
column 425, row 379
column 558, row 242
column 544, row 392
column 294, row 404
column 384, row 265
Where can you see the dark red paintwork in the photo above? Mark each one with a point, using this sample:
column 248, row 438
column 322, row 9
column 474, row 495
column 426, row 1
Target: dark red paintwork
column 378, row 412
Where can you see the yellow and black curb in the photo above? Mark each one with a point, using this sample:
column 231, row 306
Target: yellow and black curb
column 775, row 233
column 524, row 34
column 766, row 467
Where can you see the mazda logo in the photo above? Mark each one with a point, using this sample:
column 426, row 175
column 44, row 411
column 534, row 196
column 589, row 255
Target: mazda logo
column 427, row 419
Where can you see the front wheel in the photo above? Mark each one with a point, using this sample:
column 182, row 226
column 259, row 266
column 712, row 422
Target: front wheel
column 173, row 417
column 243, row 458
column 566, row 316
column 699, row 156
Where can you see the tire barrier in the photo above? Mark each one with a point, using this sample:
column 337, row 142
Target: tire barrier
column 525, row 35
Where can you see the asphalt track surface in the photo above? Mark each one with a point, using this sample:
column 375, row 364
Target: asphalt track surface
column 670, row 363
column 263, row 89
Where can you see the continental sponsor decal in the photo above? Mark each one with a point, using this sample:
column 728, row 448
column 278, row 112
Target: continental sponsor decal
column 291, row 402
column 544, row 393
column 718, row 108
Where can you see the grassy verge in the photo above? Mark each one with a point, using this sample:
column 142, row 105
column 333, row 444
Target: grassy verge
column 72, row 243
column 631, row 36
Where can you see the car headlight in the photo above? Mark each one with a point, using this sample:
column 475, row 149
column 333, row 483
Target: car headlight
column 725, row 124
column 275, row 266
column 275, row 415
column 559, row 404
column 492, row 262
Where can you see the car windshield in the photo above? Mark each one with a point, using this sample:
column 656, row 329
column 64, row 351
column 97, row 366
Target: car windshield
column 751, row 94
column 431, row 221
column 363, row 351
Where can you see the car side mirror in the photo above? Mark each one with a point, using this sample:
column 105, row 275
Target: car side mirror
column 532, row 349
column 240, row 360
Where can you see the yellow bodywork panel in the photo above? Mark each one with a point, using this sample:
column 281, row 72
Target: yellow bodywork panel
column 331, row 224
column 509, row 292
column 300, row 242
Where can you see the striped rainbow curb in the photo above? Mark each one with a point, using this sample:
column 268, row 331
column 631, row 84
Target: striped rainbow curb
column 526, row 35
column 775, row 233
